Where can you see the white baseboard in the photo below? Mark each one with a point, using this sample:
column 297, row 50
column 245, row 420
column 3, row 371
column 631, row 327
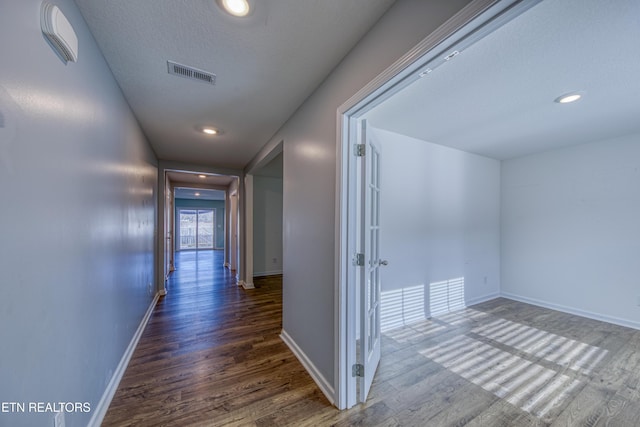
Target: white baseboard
column 267, row 273
column 571, row 310
column 319, row 379
column 103, row 405
column 482, row 299
column 246, row 285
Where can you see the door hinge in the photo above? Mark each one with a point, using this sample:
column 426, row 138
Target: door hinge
column 357, row 370
column 360, row 150
column 358, row 259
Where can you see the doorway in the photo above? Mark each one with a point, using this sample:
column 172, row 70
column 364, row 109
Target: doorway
column 199, row 213
column 353, row 300
column 263, row 239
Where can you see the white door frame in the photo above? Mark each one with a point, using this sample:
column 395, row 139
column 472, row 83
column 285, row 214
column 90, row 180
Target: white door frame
column 474, row 21
column 168, row 230
column 248, row 233
column 234, row 232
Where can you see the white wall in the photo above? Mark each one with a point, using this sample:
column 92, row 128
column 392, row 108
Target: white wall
column 78, row 214
column 267, row 225
column 440, row 218
column 309, row 176
column 571, row 229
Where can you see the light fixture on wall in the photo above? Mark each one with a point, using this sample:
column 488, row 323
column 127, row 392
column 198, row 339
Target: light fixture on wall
column 237, row 8
column 59, row 31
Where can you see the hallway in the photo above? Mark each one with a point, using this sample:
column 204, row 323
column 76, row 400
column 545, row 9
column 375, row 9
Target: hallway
column 211, row 355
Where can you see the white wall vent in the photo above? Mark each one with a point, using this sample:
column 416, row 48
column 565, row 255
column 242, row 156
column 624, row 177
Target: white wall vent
column 59, row 31
column 191, row 72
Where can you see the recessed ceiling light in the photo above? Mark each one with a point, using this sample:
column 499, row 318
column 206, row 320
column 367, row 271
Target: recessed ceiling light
column 210, row 131
column 238, row 8
column 568, row 98
column 202, row 176
column 197, row 194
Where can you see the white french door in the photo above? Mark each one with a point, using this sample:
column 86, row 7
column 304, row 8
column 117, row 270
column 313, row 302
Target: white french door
column 369, row 277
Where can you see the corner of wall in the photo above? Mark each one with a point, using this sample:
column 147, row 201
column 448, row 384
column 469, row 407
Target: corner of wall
column 324, row 385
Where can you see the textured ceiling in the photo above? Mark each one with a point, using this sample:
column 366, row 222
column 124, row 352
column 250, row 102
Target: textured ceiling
column 266, row 66
column 497, row 97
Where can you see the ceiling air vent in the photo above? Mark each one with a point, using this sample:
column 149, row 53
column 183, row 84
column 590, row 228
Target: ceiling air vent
column 191, row 73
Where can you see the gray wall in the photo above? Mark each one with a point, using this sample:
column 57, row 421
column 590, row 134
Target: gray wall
column 217, row 205
column 571, row 229
column 310, row 169
column 267, row 225
column 78, row 197
column 440, row 220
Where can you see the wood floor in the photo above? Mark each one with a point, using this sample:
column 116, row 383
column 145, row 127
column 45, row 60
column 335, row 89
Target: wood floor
column 211, row 356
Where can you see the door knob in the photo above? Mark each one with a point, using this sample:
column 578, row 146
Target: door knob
column 383, row 262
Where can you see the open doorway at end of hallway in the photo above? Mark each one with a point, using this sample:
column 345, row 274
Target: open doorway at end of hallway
column 264, row 233
column 200, row 214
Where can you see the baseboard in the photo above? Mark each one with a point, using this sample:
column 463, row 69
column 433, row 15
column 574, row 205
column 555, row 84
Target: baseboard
column 267, row 273
column 103, row 405
column 246, row 285
column 571, row 310
column 319, row 379
column 482, row 299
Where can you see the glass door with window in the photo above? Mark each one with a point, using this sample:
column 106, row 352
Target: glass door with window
column 196, row 228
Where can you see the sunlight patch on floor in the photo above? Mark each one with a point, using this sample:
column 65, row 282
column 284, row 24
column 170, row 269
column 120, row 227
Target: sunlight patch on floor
column 527, row 385
column 566, row 352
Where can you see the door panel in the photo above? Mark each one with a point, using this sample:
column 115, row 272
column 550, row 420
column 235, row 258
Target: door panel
column 369, row 355
column 205, row 229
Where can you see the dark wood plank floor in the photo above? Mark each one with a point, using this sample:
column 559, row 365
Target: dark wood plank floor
column 211, row 356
